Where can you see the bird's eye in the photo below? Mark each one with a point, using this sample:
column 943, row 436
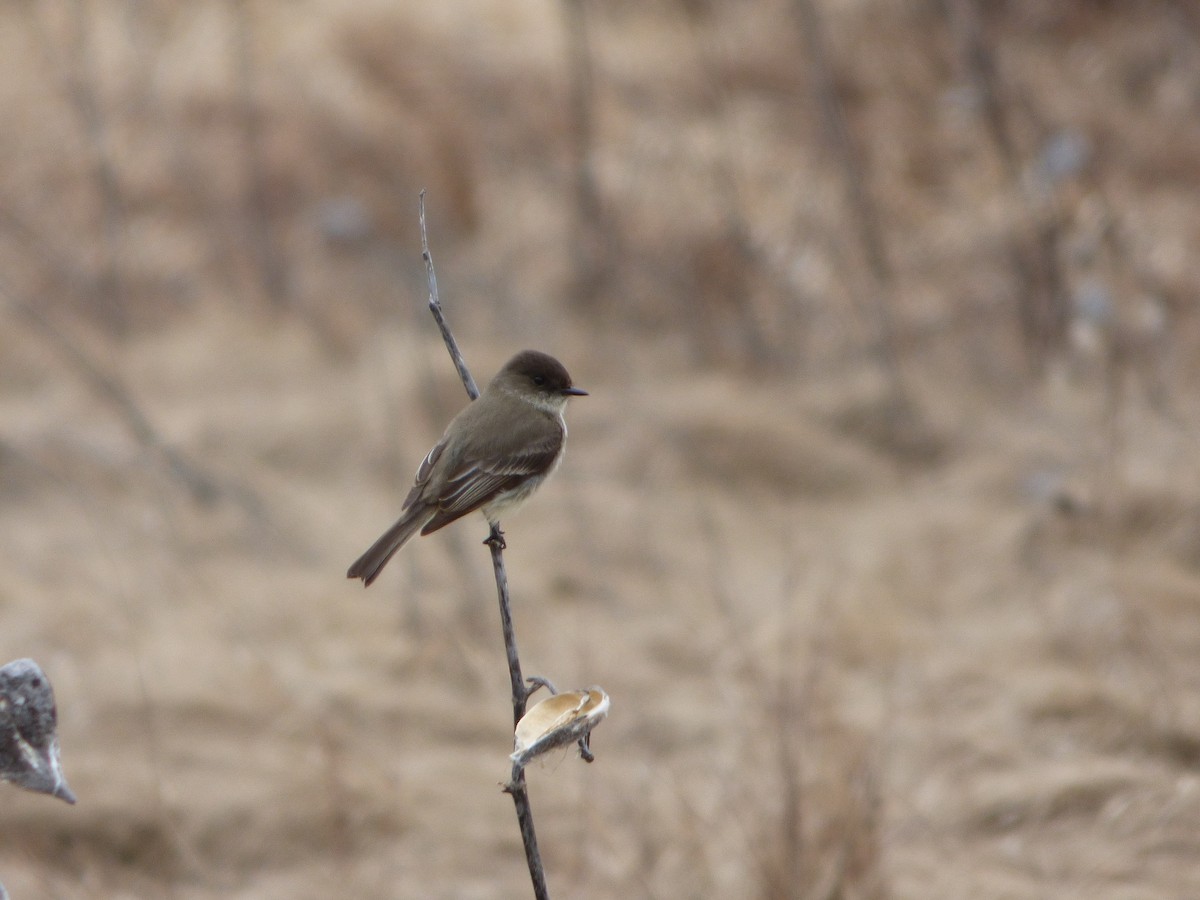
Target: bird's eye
column 539, row 380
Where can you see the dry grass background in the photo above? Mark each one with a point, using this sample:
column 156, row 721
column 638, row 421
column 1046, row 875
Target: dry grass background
column 891, row 567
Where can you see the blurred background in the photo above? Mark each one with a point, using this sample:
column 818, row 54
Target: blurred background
column 881, row 525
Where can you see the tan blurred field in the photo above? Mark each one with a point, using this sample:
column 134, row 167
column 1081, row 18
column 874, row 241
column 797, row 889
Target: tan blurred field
column 891, row 568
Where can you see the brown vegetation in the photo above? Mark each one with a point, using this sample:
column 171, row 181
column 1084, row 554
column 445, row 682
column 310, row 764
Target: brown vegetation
column 881, row 526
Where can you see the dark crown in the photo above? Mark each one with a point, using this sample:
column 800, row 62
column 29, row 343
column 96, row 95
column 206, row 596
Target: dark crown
column 543, row 372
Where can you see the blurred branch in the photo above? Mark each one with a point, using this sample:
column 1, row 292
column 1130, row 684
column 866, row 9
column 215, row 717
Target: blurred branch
column 1043, row 307
column 80, row 80
column 588, row 228
column 858, row 198
column 202, row 486
column 788, row 712
column 746, row 255
column 259, row 231
column 59, row 263
column 980, row 64
column 70, row 276
column 520, row 694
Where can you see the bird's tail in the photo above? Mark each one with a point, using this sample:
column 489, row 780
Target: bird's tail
column 370, row 564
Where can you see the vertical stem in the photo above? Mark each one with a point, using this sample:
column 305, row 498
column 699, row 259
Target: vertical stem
column 510, row 638
column 516, row 784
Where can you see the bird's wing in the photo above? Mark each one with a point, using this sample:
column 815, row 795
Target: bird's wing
column 424, row 471
column 475, row 482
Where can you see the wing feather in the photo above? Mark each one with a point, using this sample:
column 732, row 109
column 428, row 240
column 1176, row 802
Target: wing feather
column 476, row 482
column 424, row 471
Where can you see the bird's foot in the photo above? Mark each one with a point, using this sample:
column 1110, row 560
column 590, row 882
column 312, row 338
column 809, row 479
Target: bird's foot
column 495, row 539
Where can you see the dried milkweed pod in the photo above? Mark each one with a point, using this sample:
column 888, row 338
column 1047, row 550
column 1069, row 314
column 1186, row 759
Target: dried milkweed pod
column 29, row 755
column 558, row 720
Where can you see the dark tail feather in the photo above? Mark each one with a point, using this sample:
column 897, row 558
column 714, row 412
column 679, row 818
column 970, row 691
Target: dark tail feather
column 370, row 564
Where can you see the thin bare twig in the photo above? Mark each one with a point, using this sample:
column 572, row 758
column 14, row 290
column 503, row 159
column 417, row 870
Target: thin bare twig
column 435, row 307
column 520, row 694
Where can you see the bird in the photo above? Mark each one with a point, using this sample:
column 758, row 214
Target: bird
column 493, row 455
column 29, row 755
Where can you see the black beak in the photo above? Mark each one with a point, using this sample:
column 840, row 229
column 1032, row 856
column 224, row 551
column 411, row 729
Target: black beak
column 575, row 392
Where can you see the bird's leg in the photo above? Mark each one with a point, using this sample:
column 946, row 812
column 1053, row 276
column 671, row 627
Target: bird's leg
column 496, row 537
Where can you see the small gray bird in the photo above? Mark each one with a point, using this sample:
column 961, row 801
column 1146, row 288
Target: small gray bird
column 29, row 731
column 495, row 453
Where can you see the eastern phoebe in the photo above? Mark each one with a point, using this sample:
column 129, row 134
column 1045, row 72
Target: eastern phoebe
column 494, row 454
